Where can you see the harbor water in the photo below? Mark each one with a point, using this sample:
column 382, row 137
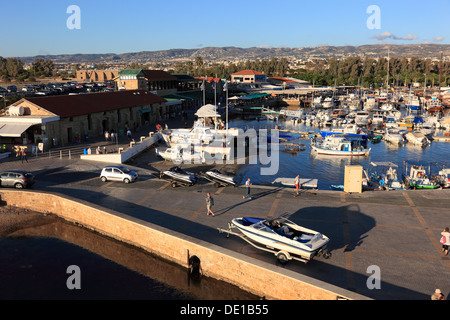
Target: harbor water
column 329, row 170
column 35, row 261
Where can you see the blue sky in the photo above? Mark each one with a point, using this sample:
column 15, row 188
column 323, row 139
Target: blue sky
column 31, row 28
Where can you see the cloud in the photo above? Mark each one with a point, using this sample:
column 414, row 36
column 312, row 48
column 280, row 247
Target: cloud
column 389, row 35
column 438, row 39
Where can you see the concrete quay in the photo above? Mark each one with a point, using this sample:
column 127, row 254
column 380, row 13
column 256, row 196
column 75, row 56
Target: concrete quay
column 396, row 231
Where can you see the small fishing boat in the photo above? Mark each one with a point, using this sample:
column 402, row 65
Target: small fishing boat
column 376, row 139
column 385, row 175
column 341, row 145
column 280, row 236
column 418, row 178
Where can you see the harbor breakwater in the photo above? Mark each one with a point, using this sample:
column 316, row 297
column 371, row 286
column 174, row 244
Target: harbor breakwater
column 257, row 277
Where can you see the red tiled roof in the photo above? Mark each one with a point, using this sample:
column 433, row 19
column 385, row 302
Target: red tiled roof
column 81, row 104
column 210, row 79
column 248, row 72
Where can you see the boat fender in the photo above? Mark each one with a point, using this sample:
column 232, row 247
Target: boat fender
column 381, row 182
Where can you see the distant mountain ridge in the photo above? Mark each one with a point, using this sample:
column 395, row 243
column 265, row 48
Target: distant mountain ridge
column 236, row 53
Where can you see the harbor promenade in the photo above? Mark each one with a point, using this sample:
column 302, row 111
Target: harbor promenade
column 396, row 232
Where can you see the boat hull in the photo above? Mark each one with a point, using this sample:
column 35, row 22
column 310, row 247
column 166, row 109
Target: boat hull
column 331, row 152
column 280, row 243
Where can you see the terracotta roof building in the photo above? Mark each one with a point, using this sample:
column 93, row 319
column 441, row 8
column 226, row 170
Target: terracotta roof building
column 57, row 120
column 248, row 76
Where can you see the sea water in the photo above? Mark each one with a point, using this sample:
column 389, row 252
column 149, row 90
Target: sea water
column 329, row 170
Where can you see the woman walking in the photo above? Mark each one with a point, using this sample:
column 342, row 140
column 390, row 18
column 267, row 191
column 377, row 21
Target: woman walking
column 445, row 240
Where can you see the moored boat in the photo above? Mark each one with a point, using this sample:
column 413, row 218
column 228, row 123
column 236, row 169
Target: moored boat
column 341, row 145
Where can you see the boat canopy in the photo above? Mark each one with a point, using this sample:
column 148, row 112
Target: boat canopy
column 207, row 110
column 384, row 164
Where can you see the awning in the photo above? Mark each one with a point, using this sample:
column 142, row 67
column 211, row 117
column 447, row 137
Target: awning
column 13, row 130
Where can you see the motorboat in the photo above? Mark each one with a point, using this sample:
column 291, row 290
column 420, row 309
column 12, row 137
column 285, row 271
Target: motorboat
column 443, row 178
column 417, row 138
column 199, row 134
column 362, row 118
column 179, row 155
column 328, row 103
column 220, row 178
column 341, row 145
column 378, row 119
column 393, row 136
column 282, row 237
column 178, row 176
column 385, row 175
column 418, row 178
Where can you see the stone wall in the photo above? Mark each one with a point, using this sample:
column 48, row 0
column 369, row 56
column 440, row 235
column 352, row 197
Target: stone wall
column 250, row 274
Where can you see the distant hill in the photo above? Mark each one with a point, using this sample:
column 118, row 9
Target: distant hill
column 235, row 53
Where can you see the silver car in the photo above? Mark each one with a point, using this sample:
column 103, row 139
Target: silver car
column 118, row 173
column 18, row 179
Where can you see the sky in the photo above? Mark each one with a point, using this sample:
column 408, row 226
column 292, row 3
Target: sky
column 30, row 28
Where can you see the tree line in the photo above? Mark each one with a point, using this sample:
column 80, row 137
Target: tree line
column 375, row 72
column 13, row 69
column 368, row 72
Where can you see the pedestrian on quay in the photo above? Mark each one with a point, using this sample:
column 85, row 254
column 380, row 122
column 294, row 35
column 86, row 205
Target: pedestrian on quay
column 437, row 295
column 209, row 204
column 23, row 155
column 129, row 134
column 297, row 183
column 247, row 189
column 445, row 240
column 106, row 135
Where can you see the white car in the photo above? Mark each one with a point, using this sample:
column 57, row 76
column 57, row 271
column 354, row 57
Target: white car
column 118, row 173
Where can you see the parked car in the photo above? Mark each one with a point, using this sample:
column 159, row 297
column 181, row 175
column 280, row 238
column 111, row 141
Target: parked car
column 118, row 173
column 18, row 179
column 3, row 90
column 12, row 88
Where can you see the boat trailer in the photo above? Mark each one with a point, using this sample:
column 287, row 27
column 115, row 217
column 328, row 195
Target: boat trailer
column 217, row 182
column 283, row 256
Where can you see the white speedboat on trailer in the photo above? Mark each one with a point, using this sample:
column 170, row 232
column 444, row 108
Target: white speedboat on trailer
column 282, row 237
column 220, row 178
column 178, row 176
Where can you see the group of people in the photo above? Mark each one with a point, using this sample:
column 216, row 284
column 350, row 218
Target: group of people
column 111, row 135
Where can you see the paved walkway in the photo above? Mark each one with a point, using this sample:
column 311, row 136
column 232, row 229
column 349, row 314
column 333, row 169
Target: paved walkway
column 396, row 231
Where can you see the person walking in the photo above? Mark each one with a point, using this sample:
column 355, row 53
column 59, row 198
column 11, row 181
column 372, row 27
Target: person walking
column 23, row 155
column 437, row 295
column 129, row 134
column 209, row 204
column 297, row 183
column 445, row 240
column 247, row 189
